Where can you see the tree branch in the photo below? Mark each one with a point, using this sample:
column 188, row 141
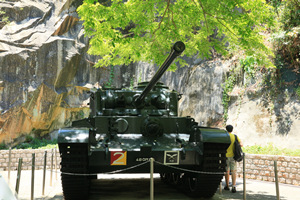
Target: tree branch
column 217, row 18
column 204, row 14
column 167, row 8
column 173, row 19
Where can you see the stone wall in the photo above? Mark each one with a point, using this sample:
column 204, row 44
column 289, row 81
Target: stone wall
column 259, row 167
column 26, row 155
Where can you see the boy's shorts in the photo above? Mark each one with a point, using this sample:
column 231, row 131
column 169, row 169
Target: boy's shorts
column 230, row 164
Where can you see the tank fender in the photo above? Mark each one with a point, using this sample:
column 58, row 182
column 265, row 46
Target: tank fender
column 73, row 135
column 215, row 136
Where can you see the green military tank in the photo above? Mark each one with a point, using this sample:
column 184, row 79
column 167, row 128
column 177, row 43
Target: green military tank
column 128, row 127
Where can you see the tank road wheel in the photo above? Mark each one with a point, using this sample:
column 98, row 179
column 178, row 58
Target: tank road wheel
column 202, row 185
column 74, row 159
column 163, row 177
column 206, row 184
column 176, row 178
column 169, row 178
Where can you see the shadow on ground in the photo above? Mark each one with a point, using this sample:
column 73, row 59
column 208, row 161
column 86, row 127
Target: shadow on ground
column 131, row 189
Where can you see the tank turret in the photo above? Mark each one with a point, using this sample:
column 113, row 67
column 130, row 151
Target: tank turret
column 130, row 102
column 126, row 127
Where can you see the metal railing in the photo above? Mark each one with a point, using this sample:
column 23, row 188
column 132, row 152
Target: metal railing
column 151, row 161
column 32, row 162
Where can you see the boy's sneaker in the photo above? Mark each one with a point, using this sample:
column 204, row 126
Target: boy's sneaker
column 226, row 188
column 233, row 190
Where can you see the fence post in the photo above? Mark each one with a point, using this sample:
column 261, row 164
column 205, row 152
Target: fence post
column 276, row 180
column 32, row 176
column 19, row 175
column 244, row 176
column 44, row 172
column 51, row 167
column 151, row 179
column 55, row 163
column 9, row 164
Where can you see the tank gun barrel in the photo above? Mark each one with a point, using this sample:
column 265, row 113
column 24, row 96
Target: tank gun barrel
column 176, row 50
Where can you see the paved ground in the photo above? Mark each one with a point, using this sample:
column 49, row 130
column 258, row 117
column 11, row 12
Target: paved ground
column 122, row 187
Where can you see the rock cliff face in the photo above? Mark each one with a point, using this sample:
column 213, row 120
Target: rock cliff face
column 256, row 119
column 46, row 73
column 44, row 66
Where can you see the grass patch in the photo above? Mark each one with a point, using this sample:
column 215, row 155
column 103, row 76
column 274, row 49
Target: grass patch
column 2, row 146
column 33, row 143
column 37, row 144
column 270, row 149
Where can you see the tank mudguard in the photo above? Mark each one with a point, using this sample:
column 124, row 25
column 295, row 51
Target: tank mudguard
column 215, row 135
column 73, row 135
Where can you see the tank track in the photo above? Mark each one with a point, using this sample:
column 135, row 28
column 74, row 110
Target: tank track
column 203, row 184
column 74, row 160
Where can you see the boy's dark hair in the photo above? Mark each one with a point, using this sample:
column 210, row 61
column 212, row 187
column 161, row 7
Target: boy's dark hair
column 229, row 128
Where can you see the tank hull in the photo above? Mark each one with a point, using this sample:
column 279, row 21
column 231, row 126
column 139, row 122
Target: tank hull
column 196, row 168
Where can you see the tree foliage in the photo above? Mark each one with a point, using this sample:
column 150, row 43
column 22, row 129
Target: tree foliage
column 122, row 32
column 286, row 39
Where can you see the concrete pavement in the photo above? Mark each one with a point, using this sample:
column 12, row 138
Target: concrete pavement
column 136, row 186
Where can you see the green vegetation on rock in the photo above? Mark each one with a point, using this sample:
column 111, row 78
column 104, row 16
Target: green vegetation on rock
column 285, row 37
column 270, row 83
column 3, row 19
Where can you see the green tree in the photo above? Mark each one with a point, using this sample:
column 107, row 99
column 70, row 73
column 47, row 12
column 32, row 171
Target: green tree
column 122, row 32
column 286, row 39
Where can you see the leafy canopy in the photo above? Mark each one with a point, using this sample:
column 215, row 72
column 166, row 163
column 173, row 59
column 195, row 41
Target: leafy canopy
column 122, row 32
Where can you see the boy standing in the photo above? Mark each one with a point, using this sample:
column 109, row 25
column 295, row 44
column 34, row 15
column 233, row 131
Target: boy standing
column 231, row 163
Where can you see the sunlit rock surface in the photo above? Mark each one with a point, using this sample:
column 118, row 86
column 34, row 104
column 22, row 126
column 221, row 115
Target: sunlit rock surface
column 45, row 68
